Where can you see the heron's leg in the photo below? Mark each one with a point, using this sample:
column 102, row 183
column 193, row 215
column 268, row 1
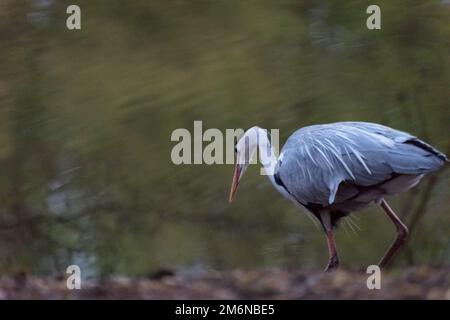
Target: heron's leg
column 402, row 235
column 333, row 261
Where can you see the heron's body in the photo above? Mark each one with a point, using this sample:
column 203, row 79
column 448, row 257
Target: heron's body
column 344, row 166
column 335, row 169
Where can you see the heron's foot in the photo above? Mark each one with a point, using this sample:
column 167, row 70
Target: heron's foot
column 333, row 264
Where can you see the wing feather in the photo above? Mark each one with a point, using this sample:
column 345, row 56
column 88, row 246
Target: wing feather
column 316, row 159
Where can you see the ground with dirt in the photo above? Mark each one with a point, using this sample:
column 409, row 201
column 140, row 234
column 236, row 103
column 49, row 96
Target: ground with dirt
column 412, row 283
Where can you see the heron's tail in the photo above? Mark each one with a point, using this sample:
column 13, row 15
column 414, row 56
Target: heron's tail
column 415, row 157
column 427, row 147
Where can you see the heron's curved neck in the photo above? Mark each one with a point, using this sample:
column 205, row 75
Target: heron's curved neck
column 267, row 154
column 269, row 160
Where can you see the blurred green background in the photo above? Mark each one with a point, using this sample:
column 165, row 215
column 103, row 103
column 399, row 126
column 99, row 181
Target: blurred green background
column 86, row 118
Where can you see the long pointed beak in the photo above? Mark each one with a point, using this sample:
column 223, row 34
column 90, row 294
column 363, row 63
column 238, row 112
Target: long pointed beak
column 235, row 182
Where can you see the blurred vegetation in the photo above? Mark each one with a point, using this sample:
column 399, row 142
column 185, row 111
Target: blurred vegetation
column 86, row 118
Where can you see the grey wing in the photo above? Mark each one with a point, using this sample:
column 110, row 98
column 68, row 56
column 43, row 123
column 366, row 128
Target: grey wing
column 397, row 136
column 316, row 160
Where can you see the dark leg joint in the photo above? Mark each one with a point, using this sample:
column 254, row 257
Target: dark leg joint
column 402, row 233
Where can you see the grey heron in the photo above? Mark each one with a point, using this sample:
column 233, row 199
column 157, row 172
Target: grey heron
column 335, row 169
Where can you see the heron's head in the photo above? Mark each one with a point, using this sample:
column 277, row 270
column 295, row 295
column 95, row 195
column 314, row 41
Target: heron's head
column 245, row 155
